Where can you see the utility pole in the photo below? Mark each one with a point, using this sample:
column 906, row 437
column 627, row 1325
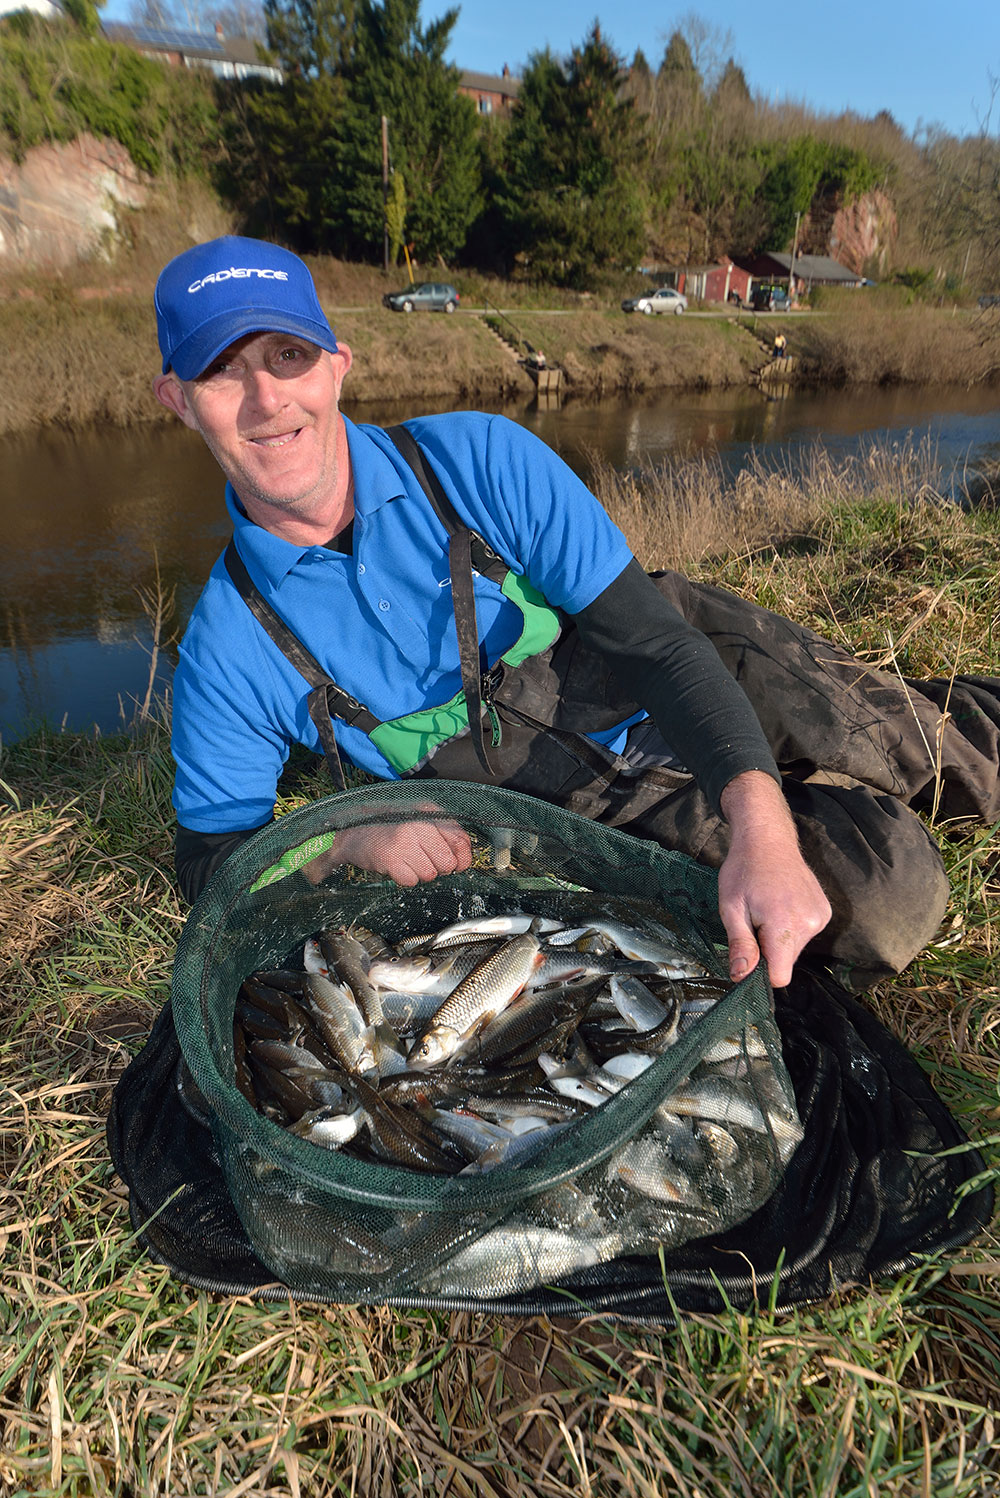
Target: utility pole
column 791, row 268
column 385, row 192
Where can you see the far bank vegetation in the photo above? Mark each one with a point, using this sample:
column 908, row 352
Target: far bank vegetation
column 601, row 167
column 605, row 163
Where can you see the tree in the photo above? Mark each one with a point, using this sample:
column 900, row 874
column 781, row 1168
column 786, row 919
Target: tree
column 397, row 69
column 571, row 195
column 84, row 14
column 281, row 139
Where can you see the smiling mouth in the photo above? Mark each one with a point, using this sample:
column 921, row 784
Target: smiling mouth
column 278, row 439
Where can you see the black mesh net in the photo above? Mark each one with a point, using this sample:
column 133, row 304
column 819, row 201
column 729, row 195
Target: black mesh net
column 691, row 1180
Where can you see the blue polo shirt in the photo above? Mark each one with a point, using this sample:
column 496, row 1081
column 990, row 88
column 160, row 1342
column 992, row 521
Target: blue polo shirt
column 379, row 621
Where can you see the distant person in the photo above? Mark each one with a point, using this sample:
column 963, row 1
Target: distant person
column 448, row 599
column 780, row 346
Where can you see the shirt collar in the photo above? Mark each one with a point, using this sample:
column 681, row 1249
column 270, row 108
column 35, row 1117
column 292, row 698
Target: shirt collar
column 270, row 558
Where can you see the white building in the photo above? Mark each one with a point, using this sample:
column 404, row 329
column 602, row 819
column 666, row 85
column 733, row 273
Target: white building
column 45, row 8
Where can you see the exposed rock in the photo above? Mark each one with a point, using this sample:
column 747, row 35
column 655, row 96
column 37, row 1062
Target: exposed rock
column 60, row 204
column 859, row 234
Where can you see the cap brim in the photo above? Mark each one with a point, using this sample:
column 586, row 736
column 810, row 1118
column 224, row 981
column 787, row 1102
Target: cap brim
column 193, row 356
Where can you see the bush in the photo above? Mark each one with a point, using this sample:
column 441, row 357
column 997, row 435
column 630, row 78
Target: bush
column 56, row 83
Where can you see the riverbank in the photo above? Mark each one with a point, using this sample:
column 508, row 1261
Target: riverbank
column 76, row 352
column 120, row 1379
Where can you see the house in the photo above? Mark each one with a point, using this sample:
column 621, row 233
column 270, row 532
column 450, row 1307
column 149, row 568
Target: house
column 720, row 282
column 490, row 94
column 226, row 57
column 810, row 270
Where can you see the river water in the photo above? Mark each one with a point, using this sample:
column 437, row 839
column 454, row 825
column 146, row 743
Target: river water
column 90, row 522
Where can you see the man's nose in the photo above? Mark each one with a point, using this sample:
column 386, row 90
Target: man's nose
column 264, row 390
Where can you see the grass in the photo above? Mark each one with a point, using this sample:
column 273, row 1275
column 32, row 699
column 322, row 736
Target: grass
column 117, row 1380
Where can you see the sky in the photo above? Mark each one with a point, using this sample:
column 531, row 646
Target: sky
column 928, row 65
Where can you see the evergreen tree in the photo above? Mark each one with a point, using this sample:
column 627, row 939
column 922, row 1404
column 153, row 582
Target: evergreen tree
column 398, row 71
column 281, row 138
column 571, row 194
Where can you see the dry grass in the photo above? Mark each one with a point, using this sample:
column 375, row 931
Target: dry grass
column 93, row 338
column 865, row 342
column 116, row 1380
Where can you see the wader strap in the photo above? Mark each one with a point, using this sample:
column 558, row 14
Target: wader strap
column 326, row 698
column 604, row 765
column 484, row 558
column 465, row 550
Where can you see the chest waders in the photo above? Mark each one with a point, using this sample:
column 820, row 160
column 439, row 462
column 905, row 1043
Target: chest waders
column 856, row 746
column 534, row 703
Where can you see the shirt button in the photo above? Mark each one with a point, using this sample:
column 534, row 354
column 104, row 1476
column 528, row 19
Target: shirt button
column 361, row 568
column 384, row 605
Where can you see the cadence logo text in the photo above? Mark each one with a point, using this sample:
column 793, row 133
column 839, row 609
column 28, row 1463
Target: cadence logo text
column 238, row 273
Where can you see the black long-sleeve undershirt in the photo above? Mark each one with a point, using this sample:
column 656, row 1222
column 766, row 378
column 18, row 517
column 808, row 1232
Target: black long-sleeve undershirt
column 674, row 672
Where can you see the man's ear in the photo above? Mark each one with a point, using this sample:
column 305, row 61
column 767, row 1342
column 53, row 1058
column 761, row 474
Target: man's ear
column 342, row 360
column 170, row 393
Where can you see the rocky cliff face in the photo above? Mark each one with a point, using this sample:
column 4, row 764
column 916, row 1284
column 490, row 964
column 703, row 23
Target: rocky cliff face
column 860, row 234
column 59, row 205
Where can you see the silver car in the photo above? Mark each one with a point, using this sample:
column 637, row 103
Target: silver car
column 664, row 299
column 430, row 296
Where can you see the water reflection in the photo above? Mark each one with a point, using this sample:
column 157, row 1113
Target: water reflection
column 91, row 521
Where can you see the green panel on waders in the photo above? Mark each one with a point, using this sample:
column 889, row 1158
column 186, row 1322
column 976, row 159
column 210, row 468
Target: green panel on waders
column 406, row 742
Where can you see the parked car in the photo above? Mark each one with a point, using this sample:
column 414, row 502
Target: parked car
column 664, row 299
column 429, row 296
column 768, row 298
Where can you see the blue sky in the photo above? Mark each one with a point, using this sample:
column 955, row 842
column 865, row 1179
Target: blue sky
column 927, row 64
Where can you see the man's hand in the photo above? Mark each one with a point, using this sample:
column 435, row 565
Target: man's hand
column 408, row 852
column 767, row 892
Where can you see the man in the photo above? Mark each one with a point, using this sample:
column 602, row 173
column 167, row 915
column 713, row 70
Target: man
column 338, row 535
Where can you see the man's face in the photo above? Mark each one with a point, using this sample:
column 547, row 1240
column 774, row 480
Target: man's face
column 267, row 409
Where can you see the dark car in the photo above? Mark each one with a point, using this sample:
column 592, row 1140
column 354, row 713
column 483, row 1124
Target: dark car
column 768, row 298
column 429, row 296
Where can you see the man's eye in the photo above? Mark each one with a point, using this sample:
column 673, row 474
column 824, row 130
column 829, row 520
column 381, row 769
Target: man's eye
column 219, row 368
column 293, row 358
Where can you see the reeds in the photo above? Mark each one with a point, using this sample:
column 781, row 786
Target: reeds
column 117, row 1380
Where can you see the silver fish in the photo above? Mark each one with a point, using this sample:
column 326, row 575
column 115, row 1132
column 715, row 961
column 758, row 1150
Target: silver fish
column 646, row 1166
column 342, row 1023
column 329, row 1128
column 483, row 993
column 655, row 945
column 426, row 973
column 516, row 1257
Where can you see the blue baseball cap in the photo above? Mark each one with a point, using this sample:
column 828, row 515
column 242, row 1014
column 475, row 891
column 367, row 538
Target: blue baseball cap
column 217, row 292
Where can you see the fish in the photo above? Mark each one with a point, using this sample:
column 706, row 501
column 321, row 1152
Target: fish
column 516, row 1257
column 429, row 973
column 347, row 958
column 472, row 1048
column 342, row 1024
column 329, row 1127
column 487, row 989
column 647, row 1166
